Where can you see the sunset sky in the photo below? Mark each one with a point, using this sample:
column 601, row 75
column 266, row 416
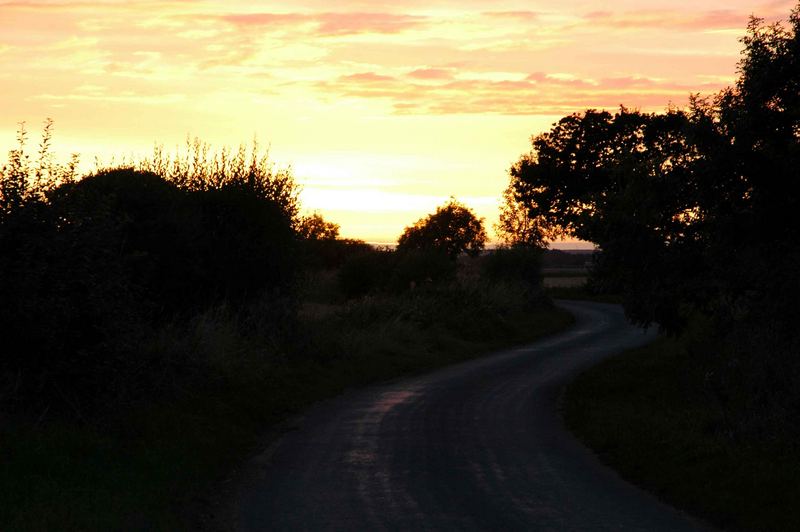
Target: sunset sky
column 382, row 109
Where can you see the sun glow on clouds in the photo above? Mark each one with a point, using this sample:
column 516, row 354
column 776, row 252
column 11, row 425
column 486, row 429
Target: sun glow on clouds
column 384, row 109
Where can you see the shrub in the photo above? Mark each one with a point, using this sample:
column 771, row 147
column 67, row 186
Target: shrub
column 247, row 246
column 331, row 253
column 517, row 263
column 451, row 230
column 367, row 270
column 91, row 271
column 421, row 267
column 518, row 267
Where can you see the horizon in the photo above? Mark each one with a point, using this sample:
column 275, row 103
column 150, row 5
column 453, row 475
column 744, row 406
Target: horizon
column 382, row 111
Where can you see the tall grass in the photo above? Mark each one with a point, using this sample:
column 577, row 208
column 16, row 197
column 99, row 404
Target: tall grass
column 24, row 178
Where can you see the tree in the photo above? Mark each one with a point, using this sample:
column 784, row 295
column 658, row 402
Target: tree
column 452, row 229
column 693, row 209
column 315, row 227
column 516, row 227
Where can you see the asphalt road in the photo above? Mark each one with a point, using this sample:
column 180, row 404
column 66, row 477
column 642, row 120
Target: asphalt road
column 475, row 446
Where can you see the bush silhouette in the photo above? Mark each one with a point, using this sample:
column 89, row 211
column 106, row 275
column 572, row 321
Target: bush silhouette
column 366, row 271
column 452, row 230
column 87, row 275
column 247, row 247
column 516, row 263
column 418, row 267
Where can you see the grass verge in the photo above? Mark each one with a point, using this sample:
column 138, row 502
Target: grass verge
column 142, row 470
column 646, row 414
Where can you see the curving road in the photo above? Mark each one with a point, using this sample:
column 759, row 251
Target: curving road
column 475, row 446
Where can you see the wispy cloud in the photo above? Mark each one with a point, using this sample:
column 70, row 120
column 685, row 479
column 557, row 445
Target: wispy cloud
column 646, row 20
column 328, row 24
column 115, row 98
column 539, row 93
column 431, row 73
column 525, row 16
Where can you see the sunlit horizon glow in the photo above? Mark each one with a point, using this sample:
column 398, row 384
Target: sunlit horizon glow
column 382, row 109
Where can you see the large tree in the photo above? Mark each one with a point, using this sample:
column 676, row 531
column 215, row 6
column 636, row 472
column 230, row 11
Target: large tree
column 452, row 229
column 694, row 208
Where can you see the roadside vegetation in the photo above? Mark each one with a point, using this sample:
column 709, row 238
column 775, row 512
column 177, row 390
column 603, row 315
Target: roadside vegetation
column 694, row 214
column 650, row 414
column 158, row 317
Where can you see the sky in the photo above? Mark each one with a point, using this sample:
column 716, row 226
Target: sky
column 382, row 109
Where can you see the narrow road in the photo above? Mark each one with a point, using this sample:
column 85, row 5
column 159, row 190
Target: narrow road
column 477, row 446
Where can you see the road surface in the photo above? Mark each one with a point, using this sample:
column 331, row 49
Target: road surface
column 477, row 446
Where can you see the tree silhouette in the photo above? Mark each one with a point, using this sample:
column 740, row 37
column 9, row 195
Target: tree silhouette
column 452, row 229
column 315, row 227
column 515, row 227
column 693, row 209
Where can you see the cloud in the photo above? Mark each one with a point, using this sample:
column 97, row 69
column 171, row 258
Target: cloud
column 368, row 77
column 422, row 58
column 538, row 93
column 260, row 20
column 668, row 19
column 99, row 96
column 351, row 23
column 431, row 73
column 559, row 79
column 329, row 24
column 94, row 7
column 523, row 16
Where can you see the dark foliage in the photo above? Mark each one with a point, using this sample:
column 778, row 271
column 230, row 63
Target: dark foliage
column 691, row 207
column 453, row 229
column 519, row 266
column 382, row 270
column 247, row 246
column 516, row 263
column 315, row 227
column 695, row 212
column 515, row 226
column 330, row 254
column 366, row 271
column 321, row 247
column 555, row 258
column 93, row 269
column 418, row 267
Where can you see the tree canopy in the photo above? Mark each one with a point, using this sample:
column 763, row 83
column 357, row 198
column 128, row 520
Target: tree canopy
column 692, row 208
column 515, row 227
column 315, row 227
column 452, row 229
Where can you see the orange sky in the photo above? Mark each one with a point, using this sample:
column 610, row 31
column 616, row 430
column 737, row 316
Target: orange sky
column 383, row 109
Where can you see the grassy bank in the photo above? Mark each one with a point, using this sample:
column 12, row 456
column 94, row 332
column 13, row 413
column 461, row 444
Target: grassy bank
column 143, row 469
column 647, row 413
